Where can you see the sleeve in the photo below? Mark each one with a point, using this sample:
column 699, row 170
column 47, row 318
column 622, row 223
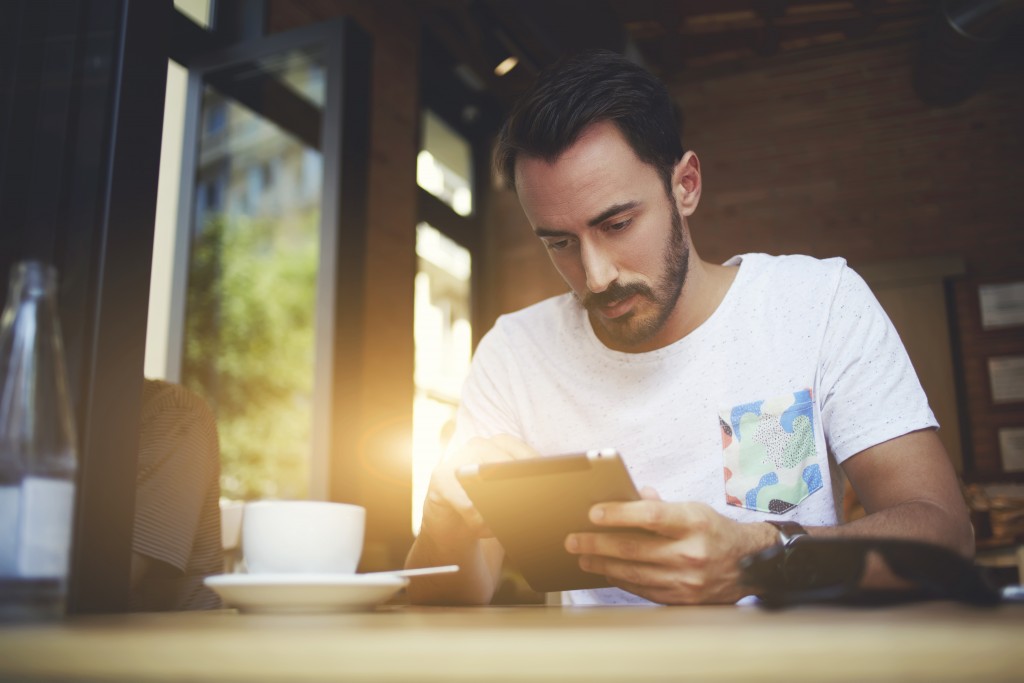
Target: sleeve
column 486, row 407
column 870, row 392
column 179, row 462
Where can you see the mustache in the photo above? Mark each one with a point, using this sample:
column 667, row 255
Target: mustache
column 616, row 292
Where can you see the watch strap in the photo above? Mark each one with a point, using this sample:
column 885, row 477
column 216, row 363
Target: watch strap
column 789, row 531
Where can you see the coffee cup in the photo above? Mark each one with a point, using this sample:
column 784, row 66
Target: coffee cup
column 302, row 537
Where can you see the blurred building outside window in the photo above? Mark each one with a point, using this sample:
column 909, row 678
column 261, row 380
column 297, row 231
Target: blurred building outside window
column 246, row 331
column 443, row 298
column 444, row 165
column 444, row 339
column 198, row 11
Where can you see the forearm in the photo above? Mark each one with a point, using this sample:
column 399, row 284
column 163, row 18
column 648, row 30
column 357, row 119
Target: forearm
column 909, row 490
column 919, row 520
column 479, row 563
column 912, row 520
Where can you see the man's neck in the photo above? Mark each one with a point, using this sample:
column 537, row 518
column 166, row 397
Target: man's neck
column 705, row 287
column 704, row 290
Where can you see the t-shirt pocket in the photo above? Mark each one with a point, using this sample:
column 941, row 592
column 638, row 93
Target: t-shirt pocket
column 771, row 463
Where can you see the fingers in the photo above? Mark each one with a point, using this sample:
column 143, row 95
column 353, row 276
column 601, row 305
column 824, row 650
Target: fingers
column 449, row 512
column 639, row 547
column 675, row 520
column 447, row 504
column 657, row 583
column 679, row 593
column 683, row 553
column 633, row 573
column 662, row 583
column 660, row 569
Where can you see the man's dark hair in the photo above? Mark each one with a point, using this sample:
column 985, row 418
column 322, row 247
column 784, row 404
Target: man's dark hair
column 585, row 89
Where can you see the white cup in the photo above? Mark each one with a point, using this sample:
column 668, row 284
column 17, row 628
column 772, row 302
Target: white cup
column 302, row 537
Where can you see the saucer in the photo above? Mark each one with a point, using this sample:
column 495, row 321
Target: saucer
column 305, row 593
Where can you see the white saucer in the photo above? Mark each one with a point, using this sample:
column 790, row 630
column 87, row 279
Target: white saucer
column 305, row 593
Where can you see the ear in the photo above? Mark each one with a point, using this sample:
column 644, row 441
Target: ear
column 686, row 183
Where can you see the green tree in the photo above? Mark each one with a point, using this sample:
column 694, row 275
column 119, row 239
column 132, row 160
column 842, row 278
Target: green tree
column 249, row 348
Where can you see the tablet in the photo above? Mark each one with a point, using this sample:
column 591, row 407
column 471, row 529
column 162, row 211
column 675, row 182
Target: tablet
column 532, row 505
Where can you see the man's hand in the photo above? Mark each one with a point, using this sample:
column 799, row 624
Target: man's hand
column 448, row 509
column 453, row 531
column 690, row 557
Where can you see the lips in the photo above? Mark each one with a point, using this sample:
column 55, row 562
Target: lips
column 618, row 308
column 616, row 300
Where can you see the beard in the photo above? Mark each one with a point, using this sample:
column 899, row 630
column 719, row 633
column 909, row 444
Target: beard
column 629, row 329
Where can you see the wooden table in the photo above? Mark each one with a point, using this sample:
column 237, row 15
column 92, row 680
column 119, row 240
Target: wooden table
column 919, row 642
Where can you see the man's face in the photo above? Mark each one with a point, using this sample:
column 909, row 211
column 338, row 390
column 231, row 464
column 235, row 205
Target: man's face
column 613, row 234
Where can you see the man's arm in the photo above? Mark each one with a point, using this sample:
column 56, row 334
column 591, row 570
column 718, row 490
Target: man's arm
column 453, row 532
column 909, row 490
column 907, row 485
column 479, row 561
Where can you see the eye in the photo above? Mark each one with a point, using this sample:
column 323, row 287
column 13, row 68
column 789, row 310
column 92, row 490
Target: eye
column 619, row 226
column 557, row 245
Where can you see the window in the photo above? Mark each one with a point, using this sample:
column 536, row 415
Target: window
column 447, row 242
column 252, row 286
column 444, row 165
column 198, row 11
column 246, row 274
column 444, row 339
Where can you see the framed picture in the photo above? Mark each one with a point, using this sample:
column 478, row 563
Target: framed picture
column 1006, row 378
column 1002, row 305
column 987, row 335
column 1011, row 448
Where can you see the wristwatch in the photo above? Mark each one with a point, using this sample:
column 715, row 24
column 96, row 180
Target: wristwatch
column 789, row 532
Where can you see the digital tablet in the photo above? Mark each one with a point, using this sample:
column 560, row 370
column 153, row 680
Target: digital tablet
column 532, row 505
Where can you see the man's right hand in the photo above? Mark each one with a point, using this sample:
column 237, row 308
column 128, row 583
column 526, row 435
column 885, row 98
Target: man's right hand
column 453, row 531
column 447, row 510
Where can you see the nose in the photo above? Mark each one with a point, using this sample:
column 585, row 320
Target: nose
column 599, row 267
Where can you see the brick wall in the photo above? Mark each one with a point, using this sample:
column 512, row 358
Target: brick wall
column 836, row 155
column 833, row 154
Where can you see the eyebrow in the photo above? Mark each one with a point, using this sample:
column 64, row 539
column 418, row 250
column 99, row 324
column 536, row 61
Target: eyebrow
column 611, row 211
column 596, row 220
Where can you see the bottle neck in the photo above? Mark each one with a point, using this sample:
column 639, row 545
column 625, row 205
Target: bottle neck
column 32, row 279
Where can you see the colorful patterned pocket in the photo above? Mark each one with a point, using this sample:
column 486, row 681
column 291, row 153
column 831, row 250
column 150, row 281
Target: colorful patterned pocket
column 770, row 459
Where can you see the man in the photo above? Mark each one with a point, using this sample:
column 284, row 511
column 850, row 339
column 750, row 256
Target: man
column 739, row 394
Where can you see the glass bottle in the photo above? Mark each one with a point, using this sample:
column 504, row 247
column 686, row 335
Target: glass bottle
column 37, row 449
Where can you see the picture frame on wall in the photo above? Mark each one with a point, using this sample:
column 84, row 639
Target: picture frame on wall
column 1006, row 378
column 987, row 324
column 1011, row 448
column 1001, row 304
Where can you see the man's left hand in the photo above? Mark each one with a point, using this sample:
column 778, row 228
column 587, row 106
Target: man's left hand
column 691, row 555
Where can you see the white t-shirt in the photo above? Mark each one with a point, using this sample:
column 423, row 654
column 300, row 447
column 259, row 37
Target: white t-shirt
column 797, row 369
